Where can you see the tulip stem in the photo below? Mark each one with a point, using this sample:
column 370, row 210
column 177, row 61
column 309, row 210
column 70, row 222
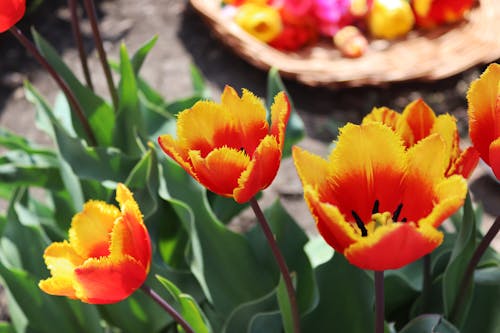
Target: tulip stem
column 91, row 12
column 379, row 301
column 469, row 271
column 167, row 307
column 427, row 282
column 62, row 84
column 280, row 261
column 77, row 35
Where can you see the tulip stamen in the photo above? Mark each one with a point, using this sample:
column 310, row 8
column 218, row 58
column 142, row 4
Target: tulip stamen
column 375, row 207
column 396, row 213
column 360, row 224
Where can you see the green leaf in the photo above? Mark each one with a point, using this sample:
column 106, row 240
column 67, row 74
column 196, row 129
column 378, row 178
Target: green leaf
column 429, row 323
column 224, row 208
column 137, row 313
column 143, row 181
column 295, row 128
column 97, row 163
column 13, row 141
column 240, row 319
column 6, row 327
column 485, row 305
column 222, row 260
column 140, row 55
column 189, row 309
column 199, row 86
column 154, row 112
column 463, row 250
column 346, row 299
column 98, row 112
column 129, row 123
column 266, row 322
column 285, row 307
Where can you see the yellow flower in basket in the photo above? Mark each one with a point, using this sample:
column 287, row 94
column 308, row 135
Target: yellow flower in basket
column 261, row 21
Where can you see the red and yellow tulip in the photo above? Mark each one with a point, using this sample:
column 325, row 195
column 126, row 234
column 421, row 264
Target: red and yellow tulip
column 230, row 147
column 417, row 122
column 484, row 116
column 376, row 201
column 108, row 254
column 11, row 11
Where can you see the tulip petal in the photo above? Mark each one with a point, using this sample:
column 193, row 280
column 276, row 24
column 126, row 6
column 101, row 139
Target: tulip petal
column 448, row 197
column 312, row 169
column 261, row 170
column 107, row 280
column 494, row 155
column 393, row 246
column 416, row 122
column 220, row 170
column 484, row 110
column 426, row 166
column 90, row 229
column 249, row 116
column 384, row 115
column 465, row 164
column 173, row 149
column 207, row 125
column 11, row 11
column 280, row 112
column 330, row 222
column 61, row 260
column 368, row 164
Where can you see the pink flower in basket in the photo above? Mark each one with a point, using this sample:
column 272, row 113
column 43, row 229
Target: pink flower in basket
column 332, row 15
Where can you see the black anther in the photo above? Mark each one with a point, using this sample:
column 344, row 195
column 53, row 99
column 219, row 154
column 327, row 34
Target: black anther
column 360, row 224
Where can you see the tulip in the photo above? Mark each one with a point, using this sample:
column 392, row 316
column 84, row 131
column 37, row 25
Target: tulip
column 230, row 147
column 418, row 121
column 108, row 254
column 484, row 116
column 376, row 202
column 11, row 11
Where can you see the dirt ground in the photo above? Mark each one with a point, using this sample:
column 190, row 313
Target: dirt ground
column 184, row 39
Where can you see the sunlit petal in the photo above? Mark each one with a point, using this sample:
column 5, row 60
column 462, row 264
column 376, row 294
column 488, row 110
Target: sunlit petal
column 261, row 170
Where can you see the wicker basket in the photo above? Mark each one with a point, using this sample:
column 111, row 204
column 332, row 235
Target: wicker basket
column 428, row 55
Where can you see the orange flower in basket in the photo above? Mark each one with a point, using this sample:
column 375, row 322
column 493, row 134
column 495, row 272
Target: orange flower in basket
column 108, row 254
column 11, row 11
column 430, row 13
column 230, row 148
column 484, row 116
column 377, row 202
column 417, row 122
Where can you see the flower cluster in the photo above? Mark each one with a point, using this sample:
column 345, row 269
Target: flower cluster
column 292, row 24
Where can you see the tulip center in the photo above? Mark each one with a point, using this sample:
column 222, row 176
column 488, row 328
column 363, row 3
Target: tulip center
column 378, row 219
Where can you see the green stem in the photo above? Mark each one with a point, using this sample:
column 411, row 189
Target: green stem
column 280, row 261
column 91, row 12
column 167, row 307
column 77, row 35
column 379, row 301
column 75, row 105
column 469, row 271
column 427, row 282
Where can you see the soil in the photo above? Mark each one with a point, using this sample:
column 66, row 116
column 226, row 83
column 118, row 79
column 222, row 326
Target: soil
column 184, row 39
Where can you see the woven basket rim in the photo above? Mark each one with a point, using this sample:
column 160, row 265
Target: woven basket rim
column 421, row 55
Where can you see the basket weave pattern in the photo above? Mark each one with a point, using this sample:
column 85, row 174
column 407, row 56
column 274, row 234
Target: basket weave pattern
column 423, row 55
